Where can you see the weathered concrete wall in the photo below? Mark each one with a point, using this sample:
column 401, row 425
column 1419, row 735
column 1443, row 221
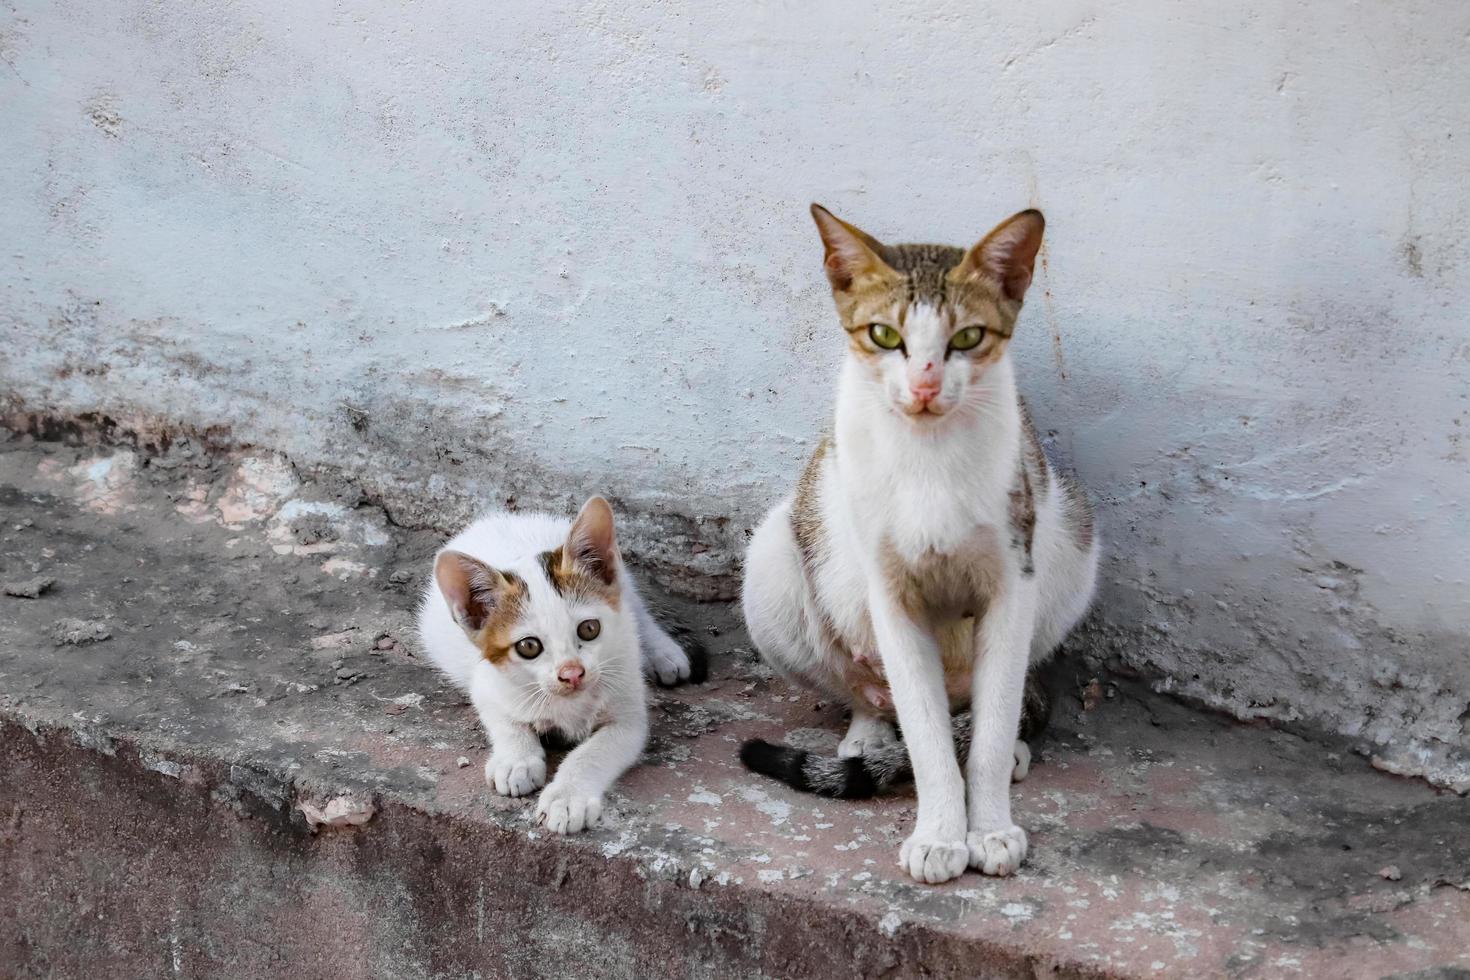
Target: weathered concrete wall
column 528, row 251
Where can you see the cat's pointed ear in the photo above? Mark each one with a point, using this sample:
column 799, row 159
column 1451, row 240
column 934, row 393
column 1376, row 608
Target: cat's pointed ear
column 592, row 544
column 470, row 587
column 851, row 252
column 1008, row 254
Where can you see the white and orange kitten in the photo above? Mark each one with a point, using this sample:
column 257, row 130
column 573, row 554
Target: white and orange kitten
column 538, row 620
column 930, row 553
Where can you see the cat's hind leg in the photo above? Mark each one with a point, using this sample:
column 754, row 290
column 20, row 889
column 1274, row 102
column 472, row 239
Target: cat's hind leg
column 782, row 626
column 1035, row 713
column 871, row 729
column 787, row 632
column 1021, row 755
column 866, row 734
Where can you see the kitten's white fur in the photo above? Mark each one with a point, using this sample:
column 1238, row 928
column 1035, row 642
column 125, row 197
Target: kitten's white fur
column 925, row 486
column 515, row 700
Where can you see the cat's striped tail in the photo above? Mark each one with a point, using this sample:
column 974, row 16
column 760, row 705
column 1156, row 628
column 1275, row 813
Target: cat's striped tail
column 887, row 766
column 858, row 778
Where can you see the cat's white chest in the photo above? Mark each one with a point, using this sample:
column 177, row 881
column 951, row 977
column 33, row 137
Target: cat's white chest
column 922, row 506
column 925, row 519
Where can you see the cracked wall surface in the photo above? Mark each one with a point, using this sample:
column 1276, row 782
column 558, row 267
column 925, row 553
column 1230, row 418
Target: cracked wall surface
column 466, row 255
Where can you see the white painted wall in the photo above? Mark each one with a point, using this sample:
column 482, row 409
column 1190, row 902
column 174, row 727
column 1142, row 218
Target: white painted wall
column 474, row 250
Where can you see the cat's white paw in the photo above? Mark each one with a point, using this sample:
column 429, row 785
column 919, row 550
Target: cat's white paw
column 865, row 736
column 931, row 859
column 568, row 810
column 515, row 777
column 997, row 852
column 667, row 661
column 1022, row 755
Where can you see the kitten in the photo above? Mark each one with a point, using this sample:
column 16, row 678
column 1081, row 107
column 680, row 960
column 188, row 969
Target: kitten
column 930, row 553
column 537, row 619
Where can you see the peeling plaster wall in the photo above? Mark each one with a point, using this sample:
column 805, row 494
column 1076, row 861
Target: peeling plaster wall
column 528, row 251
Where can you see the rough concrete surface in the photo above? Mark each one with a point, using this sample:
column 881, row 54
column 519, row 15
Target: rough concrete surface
column 529, row 251
column 156, row 785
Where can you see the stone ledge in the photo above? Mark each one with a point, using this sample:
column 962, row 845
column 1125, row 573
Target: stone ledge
column 257, row 658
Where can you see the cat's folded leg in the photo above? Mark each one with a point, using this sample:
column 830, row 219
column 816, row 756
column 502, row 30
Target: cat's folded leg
column 997, row 846
column 936, row 851
column 664, row 659
column 573, row 801
column 517, row 763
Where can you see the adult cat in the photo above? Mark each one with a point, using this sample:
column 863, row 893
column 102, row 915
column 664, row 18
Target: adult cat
column 930, row 553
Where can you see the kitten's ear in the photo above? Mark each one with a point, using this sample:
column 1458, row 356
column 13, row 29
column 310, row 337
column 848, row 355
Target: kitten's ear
column 1008, row 254
column 851, row 252
column 471, row 587
column 592, row 545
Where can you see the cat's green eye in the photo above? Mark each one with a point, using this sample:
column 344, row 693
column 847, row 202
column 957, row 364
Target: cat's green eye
column 529, row 648
column 885, row 336
column 967, row 339
column 588, row 629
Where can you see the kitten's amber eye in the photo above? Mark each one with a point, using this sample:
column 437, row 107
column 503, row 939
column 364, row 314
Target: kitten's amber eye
column 529, row 648
column 885, row 336
column 967, row 338
column 588, row 629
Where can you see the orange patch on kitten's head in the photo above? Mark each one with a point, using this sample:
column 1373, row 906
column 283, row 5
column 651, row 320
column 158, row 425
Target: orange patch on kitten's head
column 485, row 602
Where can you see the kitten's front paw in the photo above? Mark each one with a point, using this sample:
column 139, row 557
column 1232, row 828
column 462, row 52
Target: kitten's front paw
column 515, row 777
column 997, row 852
column 931, row 860
column 567, row 810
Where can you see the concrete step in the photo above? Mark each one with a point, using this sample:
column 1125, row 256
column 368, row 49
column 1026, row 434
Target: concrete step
column 225, row 647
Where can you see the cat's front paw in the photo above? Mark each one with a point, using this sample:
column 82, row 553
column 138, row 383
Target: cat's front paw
column 515, row 777
column 568, row 810
column 997, row 852
column 933, row 860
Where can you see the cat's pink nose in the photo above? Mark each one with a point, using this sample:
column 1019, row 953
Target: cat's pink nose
column 570, row 674
column 924, row 393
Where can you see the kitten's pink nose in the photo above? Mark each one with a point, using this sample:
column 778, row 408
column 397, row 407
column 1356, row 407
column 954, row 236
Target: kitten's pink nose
column 570, row 674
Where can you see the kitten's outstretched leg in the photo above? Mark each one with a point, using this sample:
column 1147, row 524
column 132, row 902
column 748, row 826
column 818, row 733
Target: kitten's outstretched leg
column 573, row 801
